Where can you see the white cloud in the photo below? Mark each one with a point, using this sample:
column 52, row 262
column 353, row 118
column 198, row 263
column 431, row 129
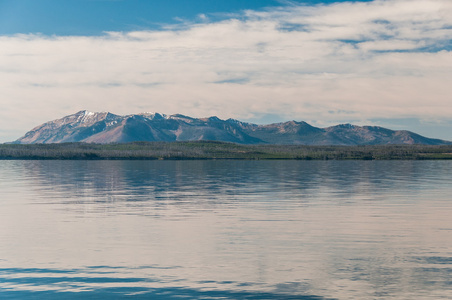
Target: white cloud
column 362, row 61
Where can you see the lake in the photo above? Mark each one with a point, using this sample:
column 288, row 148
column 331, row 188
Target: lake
column 226, row 229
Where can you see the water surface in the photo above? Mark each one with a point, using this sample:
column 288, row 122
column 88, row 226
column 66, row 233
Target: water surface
column 226, row 229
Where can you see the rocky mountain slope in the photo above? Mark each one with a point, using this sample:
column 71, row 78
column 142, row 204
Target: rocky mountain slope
column 106, row 127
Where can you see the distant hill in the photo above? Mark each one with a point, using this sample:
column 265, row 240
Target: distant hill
column 106, row 127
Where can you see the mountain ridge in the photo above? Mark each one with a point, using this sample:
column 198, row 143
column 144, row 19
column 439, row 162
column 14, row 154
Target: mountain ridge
column 105, row 127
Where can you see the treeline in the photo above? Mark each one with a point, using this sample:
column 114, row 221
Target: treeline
column 220, row 150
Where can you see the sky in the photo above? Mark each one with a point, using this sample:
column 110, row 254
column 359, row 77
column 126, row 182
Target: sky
column 383, row 62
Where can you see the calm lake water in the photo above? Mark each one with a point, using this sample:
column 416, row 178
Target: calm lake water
column 226, row 229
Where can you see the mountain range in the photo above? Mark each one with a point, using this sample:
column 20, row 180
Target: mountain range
column 105, row 127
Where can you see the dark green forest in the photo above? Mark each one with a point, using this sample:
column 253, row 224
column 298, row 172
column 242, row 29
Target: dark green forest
column 220, row 150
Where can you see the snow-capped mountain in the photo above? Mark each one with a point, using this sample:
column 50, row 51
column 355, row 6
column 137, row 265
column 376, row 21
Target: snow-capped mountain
column 105, row 127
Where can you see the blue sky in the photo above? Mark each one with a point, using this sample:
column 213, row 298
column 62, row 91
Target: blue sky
column 93, row 17
column 382, row 62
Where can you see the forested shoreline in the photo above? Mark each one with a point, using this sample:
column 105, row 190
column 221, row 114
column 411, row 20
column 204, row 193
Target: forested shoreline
column 219, row 150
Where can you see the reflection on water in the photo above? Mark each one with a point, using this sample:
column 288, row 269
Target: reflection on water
column 226, row 229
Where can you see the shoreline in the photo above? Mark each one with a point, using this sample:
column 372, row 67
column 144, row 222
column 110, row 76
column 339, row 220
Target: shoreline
column 208, row 150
